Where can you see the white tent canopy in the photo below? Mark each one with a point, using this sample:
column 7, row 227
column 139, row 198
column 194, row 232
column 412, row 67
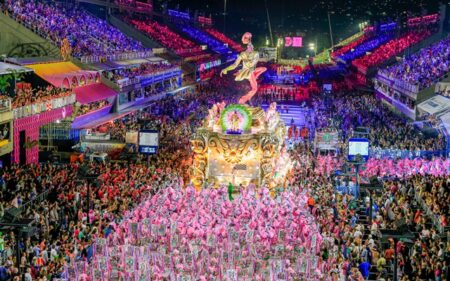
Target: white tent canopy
column 434, row 105
column 6, row 68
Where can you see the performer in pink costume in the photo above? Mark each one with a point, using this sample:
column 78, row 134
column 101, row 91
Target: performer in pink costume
column 249, row 71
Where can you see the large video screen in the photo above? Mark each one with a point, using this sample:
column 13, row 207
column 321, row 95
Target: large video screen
column 148, row 141
column 295, row 42
column 327, row 88
column 358, row 147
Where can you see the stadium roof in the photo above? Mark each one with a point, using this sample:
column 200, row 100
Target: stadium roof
column 7, row 68
column 94, row 92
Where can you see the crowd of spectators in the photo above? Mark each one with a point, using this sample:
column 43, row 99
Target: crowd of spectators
column 166, row 37
column 87, row 35
column 353, row 244
column 390, row 49
column 222, row 37
column 28, row 96
column 423, row 68
column 347, row 48
column 398, row 210
column 387, row 130
column 435, row 192
column 204, row 38
column 65, row 229
column 365, row 47
column 87, row 108
column 145, row 69
column 345, row 246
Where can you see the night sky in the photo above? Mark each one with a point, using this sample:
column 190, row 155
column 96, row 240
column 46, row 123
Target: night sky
column 302, row 17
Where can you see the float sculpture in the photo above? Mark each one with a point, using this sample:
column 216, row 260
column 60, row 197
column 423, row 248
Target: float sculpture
column 241, row 145
column 249, row 71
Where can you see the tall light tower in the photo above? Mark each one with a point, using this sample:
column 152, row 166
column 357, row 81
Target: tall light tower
column 331, row 30
column 269, row 24
column 224, row 16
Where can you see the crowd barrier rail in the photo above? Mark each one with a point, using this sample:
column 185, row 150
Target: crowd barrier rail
column 116, row 57
column 5, row 104
column 411, row 154
column 434, row 218
column 36, row 200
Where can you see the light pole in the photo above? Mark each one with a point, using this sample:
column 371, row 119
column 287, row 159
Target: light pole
column 89, row 177
column 313, row 48
column 362, row 25
column 279, row 46
column 224, row 16
column 331, row 30
column 268, row 23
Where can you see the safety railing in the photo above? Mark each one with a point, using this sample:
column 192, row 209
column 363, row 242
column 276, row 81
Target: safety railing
column 5, row 104
column 39, row 107
column 116, row 57
column 36, row 200
column 403, row 153
column 434, row 218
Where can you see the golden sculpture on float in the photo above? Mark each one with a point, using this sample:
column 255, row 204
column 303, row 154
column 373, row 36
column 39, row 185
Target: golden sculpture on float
column 238, row 144
column 66, row 50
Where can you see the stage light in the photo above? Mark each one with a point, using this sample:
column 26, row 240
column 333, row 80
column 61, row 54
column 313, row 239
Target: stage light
column 280, row 42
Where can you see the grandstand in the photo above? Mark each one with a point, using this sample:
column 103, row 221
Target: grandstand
column 226, row 40
column 344, row 48
column 168, row 38
column 206, row 39
column 90, row 38
column 413, row 81
column 389, row 50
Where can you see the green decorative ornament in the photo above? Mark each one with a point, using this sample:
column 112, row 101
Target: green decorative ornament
column 236, row 118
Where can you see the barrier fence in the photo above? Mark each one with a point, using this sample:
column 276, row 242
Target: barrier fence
column 434, row 218
column 116, row 57
column 411, row 154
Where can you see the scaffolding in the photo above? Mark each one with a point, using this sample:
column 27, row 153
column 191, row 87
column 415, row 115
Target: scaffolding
column 61, row 130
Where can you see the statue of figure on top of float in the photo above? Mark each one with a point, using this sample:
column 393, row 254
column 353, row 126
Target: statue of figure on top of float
column 249, row 71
